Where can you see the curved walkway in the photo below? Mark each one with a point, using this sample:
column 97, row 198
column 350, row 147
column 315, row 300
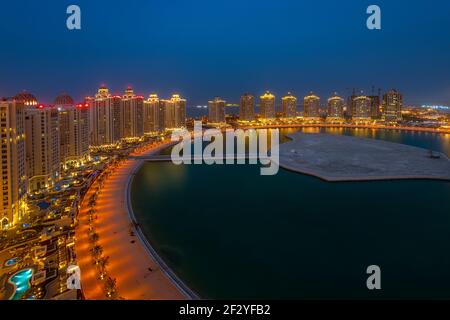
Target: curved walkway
column 138, row 274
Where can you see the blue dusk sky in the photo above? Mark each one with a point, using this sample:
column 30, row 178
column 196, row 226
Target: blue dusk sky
column 205, row 48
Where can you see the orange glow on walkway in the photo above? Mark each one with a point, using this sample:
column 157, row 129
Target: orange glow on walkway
column 129, row 263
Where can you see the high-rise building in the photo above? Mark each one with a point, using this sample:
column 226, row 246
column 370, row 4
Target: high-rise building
column 374, row 107
column 26, row 98
column 161, row 117
column 289, row 106
column 216, row 110
column 392, row 106
column 311, row 106
column 101, row 124
column 43, row 159
column 132, row 114
column 267, row 105
column 247, row 108
column 73, row 129
column 90, row 102
column 361, row 108
column 117, row 118
column 336, row 107
column 105, row 118
column 350, row 105
column 13, row 178
column 180, row 110
column 174, row 112
column 152, row 114
column 169, row 113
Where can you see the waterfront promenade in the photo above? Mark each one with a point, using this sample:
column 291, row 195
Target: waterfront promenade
column 137, row 273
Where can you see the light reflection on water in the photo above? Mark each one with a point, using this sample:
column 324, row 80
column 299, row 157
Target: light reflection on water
column 230, row 233
column 427, row 140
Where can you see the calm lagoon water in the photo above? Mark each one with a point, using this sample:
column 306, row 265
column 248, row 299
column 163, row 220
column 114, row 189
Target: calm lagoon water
column 230, row 233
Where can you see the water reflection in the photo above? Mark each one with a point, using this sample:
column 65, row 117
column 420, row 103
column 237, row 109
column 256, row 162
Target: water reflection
column 427, row 140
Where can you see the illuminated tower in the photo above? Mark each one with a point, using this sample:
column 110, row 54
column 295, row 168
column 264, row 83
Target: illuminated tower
column 27, row 99
column 374, row 107
column 152, row 113
column 161, row 124
column 267, row 103
column 216, row 110
column 179, row 105
column 350, row 105
column 90, row 102
column 132, row 114
column 117, row 118
column 73, row 128
column 247, row 108
column 335, row 107
column 361, row 108
column 104, row 114
column 13, row 174
column 311, row 104
column 392, row 106
column 169, row 113
column 43, row 159
column 289, row 106
column 174, row 112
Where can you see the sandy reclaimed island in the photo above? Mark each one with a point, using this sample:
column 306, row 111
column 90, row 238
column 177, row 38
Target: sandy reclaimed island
column 344, row 158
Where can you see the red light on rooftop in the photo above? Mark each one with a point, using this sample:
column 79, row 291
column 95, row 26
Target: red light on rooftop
column 83, row 105
column 41, row 106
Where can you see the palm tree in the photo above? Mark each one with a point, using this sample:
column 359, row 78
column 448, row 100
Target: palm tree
column 94, row 237
column 102, row 263
column 111, row 288
column 96, row 251
column 102, row 275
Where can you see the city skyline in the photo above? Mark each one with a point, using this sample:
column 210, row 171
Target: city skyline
column 213, row 150
column 138, row 114
column 234, row 101
column 337, row 55
column 43, row 139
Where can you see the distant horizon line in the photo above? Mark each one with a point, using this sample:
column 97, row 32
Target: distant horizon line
column 379, row 92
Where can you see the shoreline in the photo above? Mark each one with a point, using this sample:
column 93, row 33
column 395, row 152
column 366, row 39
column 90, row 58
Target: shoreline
column 189, row 294
column 160, row 281
column 139, row 274
column 312, row 154
column 345, row 126
column 356, row 179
